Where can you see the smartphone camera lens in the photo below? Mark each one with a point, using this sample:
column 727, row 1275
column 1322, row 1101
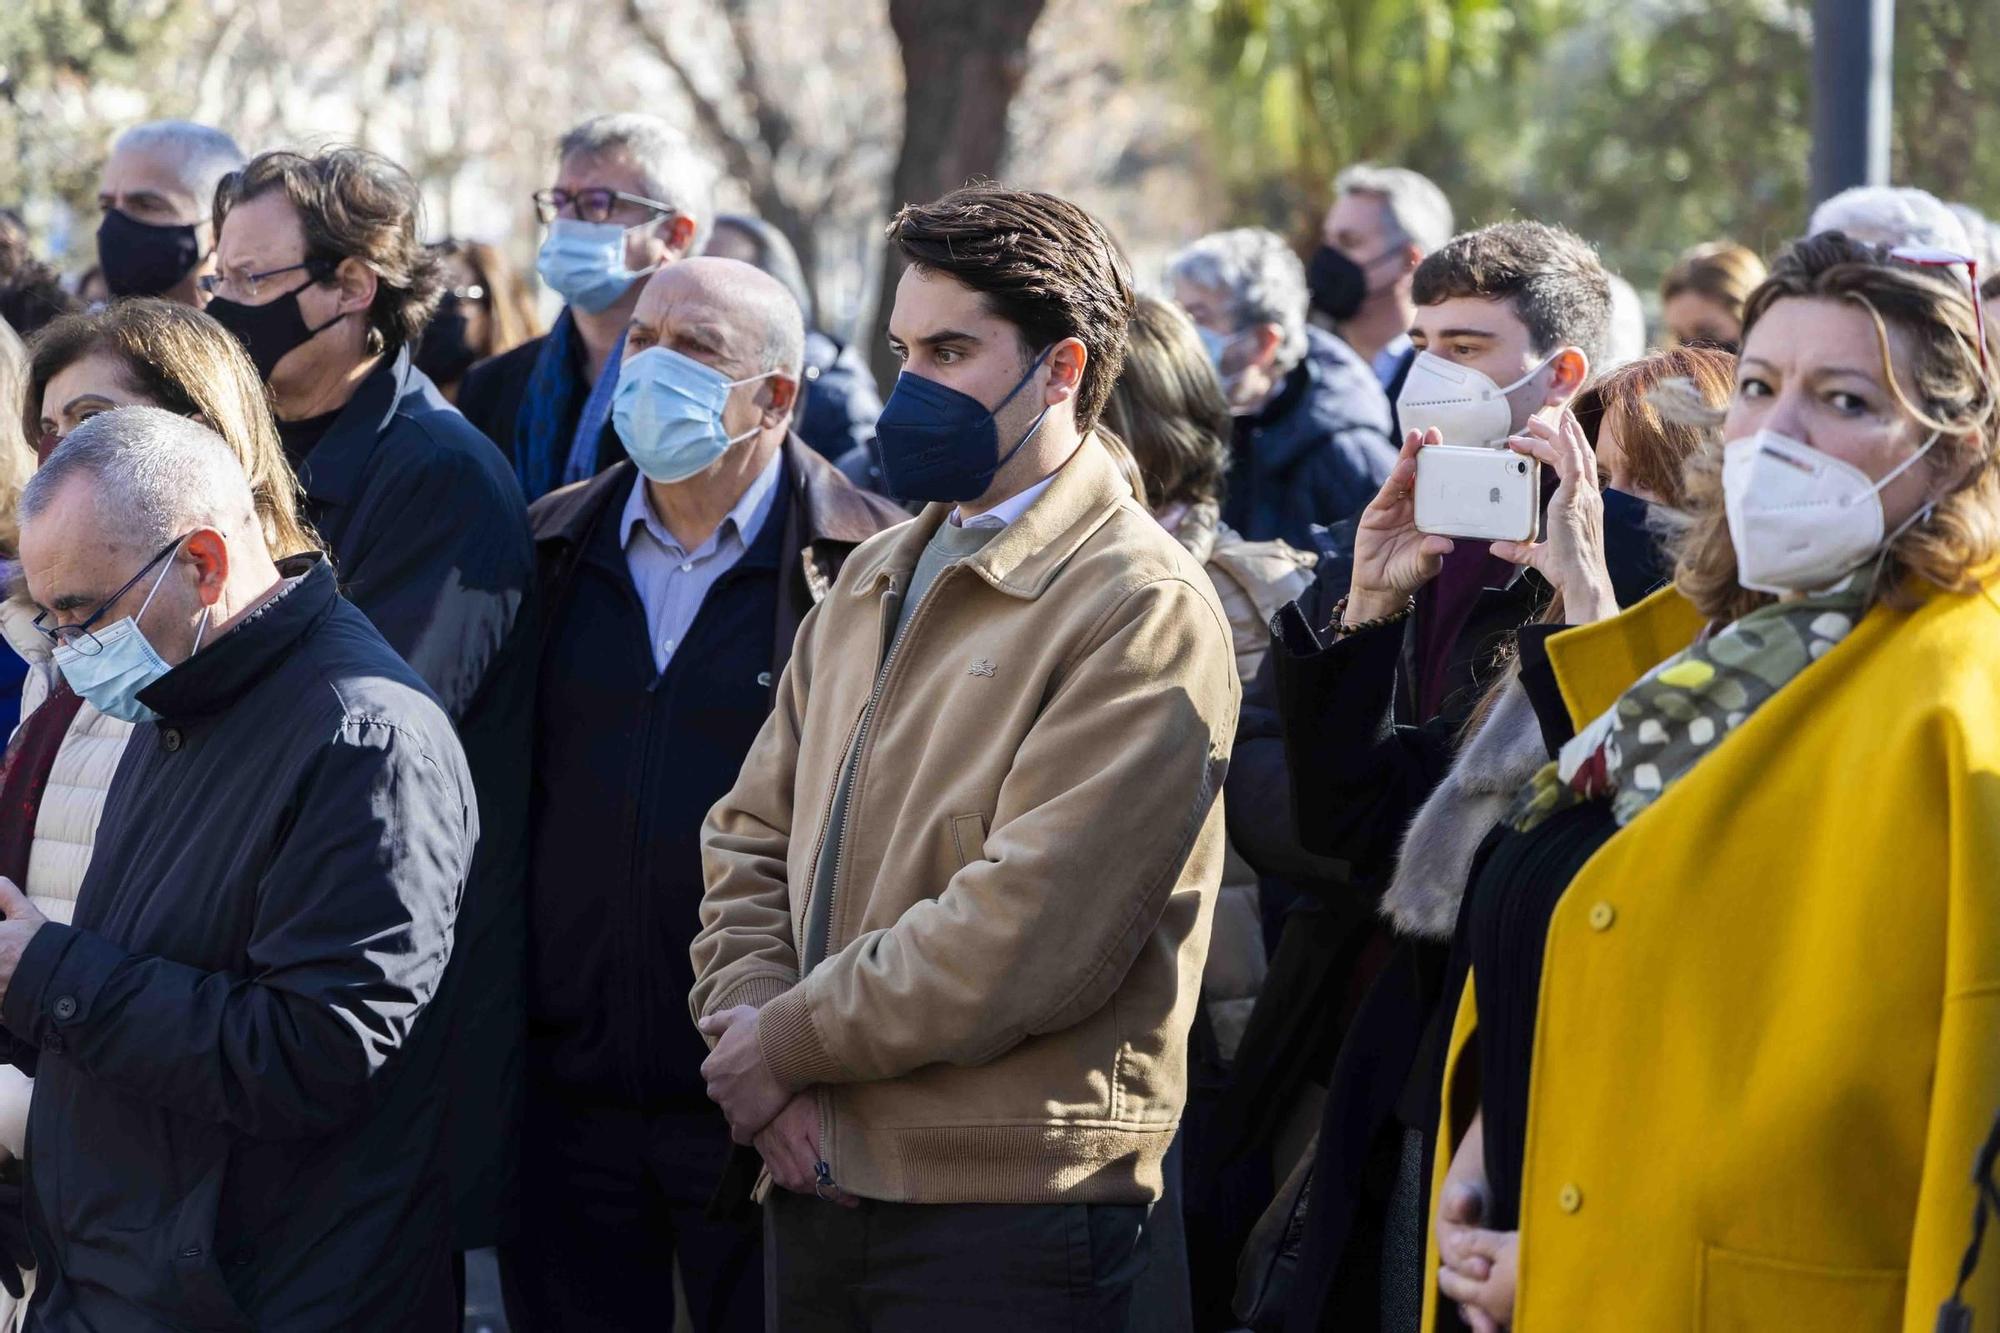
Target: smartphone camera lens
column 1520, row 467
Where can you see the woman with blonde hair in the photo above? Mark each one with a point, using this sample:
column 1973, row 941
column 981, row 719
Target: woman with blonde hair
column 1734, row 1008
column 57, row 770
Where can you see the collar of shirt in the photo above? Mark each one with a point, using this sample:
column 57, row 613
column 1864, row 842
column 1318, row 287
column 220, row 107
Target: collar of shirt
column 1390, row 357
column 742, row 522
column 1004, row 513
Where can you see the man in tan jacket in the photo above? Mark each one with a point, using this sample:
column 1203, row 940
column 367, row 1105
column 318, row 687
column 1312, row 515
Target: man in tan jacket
column 958, row 901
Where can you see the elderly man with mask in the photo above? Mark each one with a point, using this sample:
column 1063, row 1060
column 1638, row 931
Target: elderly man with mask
column 630, row 196
column 1312, row 438
column 322, row 276
column 1383, row 221
column 238, row 1111
column 674, row 584
column 157, row 238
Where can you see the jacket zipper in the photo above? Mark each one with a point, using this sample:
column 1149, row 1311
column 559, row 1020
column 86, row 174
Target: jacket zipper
column 865, row 734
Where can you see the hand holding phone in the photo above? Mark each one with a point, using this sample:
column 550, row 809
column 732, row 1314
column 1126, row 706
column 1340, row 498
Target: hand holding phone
column 1478, row 493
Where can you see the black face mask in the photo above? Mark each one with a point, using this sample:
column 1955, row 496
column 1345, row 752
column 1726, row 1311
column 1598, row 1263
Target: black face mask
column 1338, row 284
column 140, row 259
column 444, row 354
column 1634, row 556
column 268, row 331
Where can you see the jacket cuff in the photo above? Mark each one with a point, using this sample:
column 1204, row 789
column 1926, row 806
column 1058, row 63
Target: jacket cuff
column 56, row 982
column 756, row 991
column 791, row 1044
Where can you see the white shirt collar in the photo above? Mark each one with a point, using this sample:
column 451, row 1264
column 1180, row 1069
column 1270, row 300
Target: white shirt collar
column 1003, row 514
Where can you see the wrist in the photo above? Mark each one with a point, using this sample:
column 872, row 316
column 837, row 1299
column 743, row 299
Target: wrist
column 1589, row 602
column 1373, row 604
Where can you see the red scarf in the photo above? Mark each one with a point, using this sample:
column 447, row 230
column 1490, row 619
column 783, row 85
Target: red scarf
column 24, row 776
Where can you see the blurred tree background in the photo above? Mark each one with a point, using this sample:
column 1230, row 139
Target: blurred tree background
column 1644, row 124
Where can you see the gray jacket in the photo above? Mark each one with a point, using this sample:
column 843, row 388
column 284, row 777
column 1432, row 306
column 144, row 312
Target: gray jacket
column 236, row 1121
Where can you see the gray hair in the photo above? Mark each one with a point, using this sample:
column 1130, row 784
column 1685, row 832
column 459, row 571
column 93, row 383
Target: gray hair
column 1416, row 207
column 1891, row 215
column 675, row 173
column 198, row 155
column 1984, row 236
column 155, row 476
column 1264, row 280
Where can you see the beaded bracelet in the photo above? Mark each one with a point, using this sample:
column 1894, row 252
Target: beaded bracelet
column 1341, row 629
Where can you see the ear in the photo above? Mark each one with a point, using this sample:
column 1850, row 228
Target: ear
column 781, row 395
column 1268, row 337
column 1572, row 372
column 208, row 551
column 678, row 235
column 356, row 284
column 1065, row 362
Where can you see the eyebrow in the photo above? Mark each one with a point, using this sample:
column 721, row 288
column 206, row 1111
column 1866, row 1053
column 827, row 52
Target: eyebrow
column 1819, row 372
column 72, row 601
column 944, row 336
column 1464, row 333
column 83, row 398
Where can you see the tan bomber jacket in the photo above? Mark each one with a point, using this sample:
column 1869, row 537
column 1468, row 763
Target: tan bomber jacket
column 1021, row 905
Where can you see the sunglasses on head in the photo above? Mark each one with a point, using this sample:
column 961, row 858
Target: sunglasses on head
column 1927, row 256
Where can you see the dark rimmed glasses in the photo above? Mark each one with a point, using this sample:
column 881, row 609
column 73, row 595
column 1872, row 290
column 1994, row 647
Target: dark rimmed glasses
column 78, row 637
column 594, row 204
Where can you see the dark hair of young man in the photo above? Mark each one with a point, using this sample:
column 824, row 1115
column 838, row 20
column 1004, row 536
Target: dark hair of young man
column 1043, row 265
column 1549, row 276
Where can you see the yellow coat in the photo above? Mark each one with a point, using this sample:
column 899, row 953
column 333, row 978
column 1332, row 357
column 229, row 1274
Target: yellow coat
column 1768, row 1043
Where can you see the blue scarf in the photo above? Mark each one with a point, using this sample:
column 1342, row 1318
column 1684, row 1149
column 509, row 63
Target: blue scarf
column 544, row 456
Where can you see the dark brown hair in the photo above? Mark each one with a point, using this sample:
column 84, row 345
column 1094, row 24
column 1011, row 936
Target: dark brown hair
column 1932, row 312
column 1043, row 265
column 183, row 361
column 1723, row 271
column 1168, row 408
column 511, row 318
column 358, row 205
column 1549, row 276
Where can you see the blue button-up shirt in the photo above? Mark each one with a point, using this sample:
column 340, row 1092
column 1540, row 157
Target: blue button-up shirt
column 673, row 581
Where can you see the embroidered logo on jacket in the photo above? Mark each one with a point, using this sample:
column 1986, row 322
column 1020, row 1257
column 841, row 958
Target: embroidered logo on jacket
column 982, row 668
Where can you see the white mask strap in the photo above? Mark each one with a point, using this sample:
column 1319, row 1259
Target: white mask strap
column 1907, row 463
column 1537, row 369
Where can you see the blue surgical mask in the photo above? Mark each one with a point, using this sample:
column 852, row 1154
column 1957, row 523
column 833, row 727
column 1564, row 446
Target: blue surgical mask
column 1217, row 346
column 585, row 263
column 125, row 663
column 939, row 444
column 668, row 411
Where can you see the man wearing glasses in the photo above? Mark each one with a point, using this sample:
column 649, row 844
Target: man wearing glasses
column 630, row 197
column 322, row 276
column 241, row 1042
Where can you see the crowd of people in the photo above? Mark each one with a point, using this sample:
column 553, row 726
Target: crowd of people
column 1058, row 847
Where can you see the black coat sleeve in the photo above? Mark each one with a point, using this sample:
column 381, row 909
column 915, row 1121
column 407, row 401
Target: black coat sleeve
column 353, row 925
column 1357, row 776
column 445, row 569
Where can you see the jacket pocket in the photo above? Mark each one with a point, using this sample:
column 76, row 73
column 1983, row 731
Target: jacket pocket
column 968, row 839
column 1751, row 1293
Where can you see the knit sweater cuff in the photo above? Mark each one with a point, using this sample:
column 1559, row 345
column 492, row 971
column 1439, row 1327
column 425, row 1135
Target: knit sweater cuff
column 756, row 991
column 791, row 1044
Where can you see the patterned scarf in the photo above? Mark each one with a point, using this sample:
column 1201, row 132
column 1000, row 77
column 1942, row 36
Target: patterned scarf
column 545, row 455
column 1680, row 710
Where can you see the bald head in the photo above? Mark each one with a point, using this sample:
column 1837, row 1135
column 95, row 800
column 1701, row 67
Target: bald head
column 724, row 313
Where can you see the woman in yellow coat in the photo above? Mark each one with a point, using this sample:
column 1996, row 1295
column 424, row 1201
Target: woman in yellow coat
column 1732, row 1038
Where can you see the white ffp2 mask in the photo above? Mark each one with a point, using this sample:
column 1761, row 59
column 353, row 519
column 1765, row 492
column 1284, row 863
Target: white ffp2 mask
column 1800, row 518
column 1463, row 405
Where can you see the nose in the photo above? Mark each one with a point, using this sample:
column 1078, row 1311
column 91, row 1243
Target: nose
column 1787, row 414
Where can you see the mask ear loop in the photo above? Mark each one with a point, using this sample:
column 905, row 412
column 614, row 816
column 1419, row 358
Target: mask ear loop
column 1922, row 515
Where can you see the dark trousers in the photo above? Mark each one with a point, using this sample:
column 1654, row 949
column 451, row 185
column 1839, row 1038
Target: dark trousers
column 967, row 1268
column 610, row 1199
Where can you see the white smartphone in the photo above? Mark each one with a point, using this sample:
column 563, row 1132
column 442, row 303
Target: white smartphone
column 1485, row 494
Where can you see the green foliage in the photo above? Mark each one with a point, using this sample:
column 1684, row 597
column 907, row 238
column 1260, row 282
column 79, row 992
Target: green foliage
column 1646, row 125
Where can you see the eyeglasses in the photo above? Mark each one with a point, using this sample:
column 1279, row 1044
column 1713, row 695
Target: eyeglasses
column 78, row 636
column 1924, row 256
column 472, row 291
column 244, row 286
column 594, row 204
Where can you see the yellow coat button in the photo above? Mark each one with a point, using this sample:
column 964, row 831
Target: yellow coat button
column 1602, row 915
column 1570, row 1199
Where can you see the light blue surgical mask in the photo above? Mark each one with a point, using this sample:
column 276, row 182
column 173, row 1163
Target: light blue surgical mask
column 668, row 412
column 1217, row 346
column 585, row 263
column 125, row 663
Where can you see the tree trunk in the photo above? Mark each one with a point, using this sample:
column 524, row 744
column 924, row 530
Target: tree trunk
column 963, row 61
